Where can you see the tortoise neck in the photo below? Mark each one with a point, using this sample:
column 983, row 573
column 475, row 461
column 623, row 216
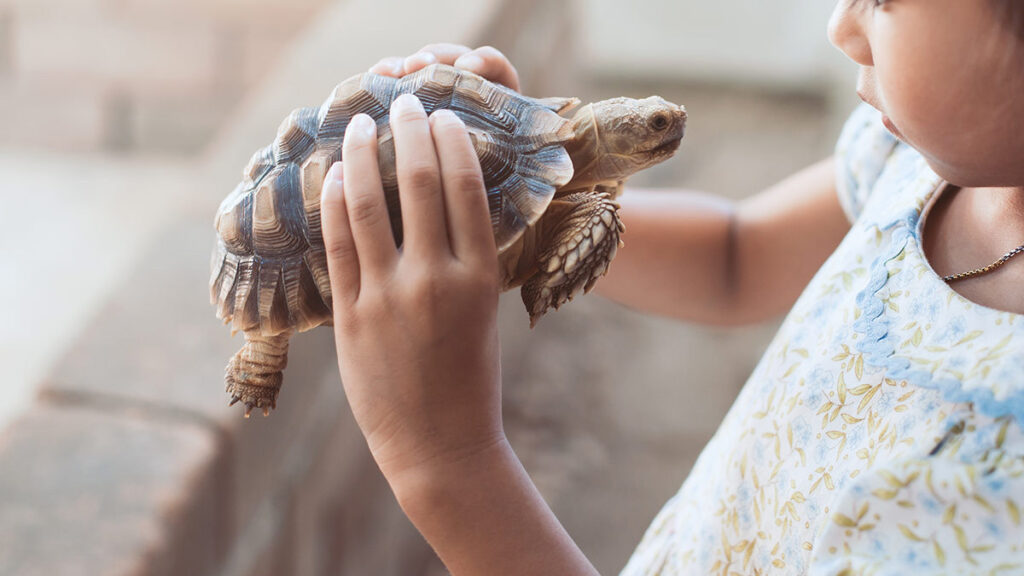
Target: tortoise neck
column 584, row 149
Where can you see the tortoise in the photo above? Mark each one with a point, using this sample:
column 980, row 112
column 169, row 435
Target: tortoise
column 551, row 188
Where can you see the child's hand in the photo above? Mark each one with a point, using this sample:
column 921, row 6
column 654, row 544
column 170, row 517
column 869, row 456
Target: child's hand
column 416, row 328
column 485, row 61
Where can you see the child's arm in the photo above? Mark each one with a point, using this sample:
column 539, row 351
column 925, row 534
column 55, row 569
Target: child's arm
column 417, row 339
column 483, row 515
column 692, row 255
column 708, row 259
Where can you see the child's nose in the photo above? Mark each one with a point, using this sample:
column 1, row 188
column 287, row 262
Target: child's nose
column 847, row 32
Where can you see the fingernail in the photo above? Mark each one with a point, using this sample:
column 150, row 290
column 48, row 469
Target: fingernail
column 333, row 188
column 470, row 62
column 421, row 58
column 387, row 68
column 336, row 174
column 406, row 102
column 447, row 115
column 361, row 126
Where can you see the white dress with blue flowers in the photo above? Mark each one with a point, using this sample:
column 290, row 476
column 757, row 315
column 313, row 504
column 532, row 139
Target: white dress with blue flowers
column 881, row 433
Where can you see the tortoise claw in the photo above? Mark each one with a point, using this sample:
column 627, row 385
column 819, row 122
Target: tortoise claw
column 577, row 252
column 249, row 408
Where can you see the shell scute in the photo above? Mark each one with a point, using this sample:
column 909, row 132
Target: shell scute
column 313, row 172
column 486, row 105
column 278, row 214
column 365, row 93
column 433, row 88
column 245, row 315
column 295, row 135
column 308, row 309
column 234, row 221
column 260, row 163
column 316, row 262
column 274, row 317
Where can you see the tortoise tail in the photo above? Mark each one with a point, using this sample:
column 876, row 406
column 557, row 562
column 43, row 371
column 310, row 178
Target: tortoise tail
column 253, row 375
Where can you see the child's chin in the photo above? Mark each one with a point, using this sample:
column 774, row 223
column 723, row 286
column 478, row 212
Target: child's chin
column 956, row 177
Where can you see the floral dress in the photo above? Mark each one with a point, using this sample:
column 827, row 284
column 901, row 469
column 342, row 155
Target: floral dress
column 881, row 433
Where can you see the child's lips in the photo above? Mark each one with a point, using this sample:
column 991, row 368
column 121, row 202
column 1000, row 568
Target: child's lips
column 885, row 119
column 891, row 127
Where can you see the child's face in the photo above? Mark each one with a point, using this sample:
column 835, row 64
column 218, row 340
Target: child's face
column 947, row 75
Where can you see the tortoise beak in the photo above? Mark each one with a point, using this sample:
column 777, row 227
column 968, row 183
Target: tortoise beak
column 666, row 149
column 679, row 117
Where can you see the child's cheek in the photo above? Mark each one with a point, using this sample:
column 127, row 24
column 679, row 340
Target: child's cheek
column 920, row 88
column 939, row 83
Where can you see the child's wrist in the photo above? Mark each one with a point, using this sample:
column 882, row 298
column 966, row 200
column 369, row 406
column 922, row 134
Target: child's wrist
column 431, row 482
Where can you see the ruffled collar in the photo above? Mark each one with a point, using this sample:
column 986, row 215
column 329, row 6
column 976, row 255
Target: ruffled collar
column 916, row 326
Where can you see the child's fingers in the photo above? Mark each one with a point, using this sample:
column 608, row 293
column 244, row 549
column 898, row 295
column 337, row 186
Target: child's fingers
column 390, row 66
column 444, row 52
column 342, row 259
column 490, row 63
column 465, row 202
column 417, row 61
column 364, row 200
column 419, row 180
column 486, row 61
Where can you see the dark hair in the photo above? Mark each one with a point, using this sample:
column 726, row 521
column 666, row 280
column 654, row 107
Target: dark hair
column 1011, row 13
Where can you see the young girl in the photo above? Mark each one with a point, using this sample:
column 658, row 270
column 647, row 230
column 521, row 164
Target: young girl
column 881, row 432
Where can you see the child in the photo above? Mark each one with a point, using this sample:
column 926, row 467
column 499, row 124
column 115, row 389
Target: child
column 881, row 432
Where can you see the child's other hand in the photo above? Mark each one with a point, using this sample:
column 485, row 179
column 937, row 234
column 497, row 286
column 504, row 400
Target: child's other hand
column 486, row 61
column 416, row 328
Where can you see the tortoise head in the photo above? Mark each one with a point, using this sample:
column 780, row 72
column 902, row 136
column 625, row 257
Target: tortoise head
column 619, row 137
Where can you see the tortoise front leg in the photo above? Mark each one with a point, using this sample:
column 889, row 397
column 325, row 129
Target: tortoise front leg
column 579, row 240
column 253, row 374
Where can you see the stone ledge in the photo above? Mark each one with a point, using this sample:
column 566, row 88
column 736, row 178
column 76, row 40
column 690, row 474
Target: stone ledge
column 88, row 492
column 172, row 353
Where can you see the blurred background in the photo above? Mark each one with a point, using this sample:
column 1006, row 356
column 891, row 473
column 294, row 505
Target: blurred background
column 123, row 123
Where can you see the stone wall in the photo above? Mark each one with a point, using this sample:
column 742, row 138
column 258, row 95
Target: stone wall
column 144, row 76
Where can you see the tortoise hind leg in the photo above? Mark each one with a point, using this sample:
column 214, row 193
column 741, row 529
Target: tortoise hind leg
column 580, row 239
column 253, row 374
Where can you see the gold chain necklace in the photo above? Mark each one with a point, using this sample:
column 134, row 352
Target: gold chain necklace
column 986, row 269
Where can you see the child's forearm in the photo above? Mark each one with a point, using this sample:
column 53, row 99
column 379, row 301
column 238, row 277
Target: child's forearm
column 675, row 259
column 483, row 515
column 703, row 258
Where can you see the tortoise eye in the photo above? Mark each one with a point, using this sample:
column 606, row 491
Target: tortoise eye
column 659, row 122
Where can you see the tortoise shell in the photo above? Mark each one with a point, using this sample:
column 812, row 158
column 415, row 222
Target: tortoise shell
column 269, row 269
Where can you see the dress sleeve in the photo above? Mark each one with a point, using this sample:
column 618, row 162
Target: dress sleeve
column 928, row 516
column 863, row 148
